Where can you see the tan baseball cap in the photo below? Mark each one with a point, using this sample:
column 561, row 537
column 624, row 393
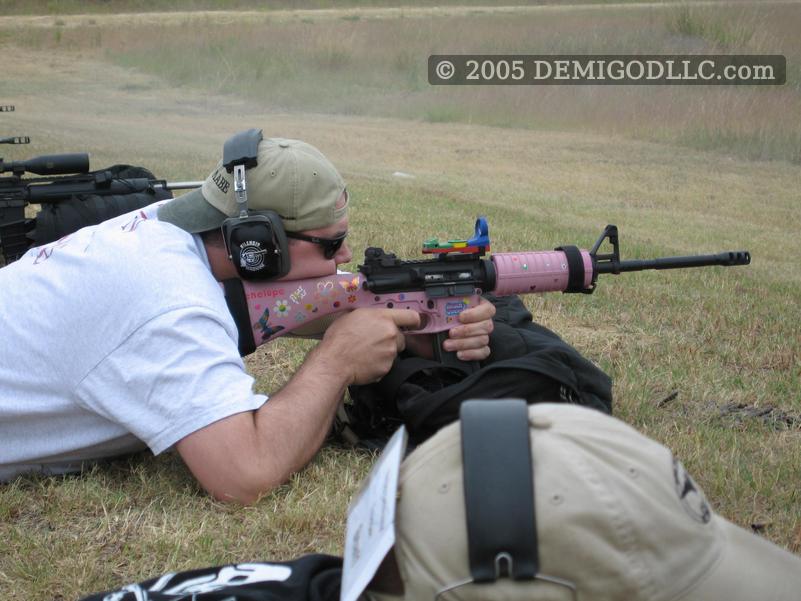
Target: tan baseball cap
column 292, row 178
column 616, row 513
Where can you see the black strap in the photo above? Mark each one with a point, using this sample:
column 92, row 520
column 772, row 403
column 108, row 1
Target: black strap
column 499, row 490
column 238, row 306
column 575, row 268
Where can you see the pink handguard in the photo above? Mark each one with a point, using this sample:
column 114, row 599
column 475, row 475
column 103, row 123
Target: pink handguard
column 536, row 271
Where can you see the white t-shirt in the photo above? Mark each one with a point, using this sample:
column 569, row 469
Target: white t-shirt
column 114, row 338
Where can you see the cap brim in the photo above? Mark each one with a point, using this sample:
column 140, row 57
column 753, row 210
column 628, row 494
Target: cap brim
column 192, row 213
column 750, row 568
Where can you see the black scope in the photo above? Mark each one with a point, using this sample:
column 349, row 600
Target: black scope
column 49, row 164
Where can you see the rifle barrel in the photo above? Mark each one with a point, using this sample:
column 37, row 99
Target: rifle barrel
column 729, row 258
column 180, row 185
column 15, row 140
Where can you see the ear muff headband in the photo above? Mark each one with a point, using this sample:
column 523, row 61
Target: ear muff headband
column 498, row 474
column 499, row 490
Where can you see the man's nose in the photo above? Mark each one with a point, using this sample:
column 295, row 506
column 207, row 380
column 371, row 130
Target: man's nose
column 344, row 254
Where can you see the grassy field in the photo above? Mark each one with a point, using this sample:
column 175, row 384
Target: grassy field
column 704, row 361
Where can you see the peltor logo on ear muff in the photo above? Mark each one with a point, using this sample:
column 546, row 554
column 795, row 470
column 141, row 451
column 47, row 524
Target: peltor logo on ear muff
column 257, row 245
column 251, row 255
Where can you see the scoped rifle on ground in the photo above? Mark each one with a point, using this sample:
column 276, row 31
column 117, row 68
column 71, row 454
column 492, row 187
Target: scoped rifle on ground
column 70, row 196
column 439, row 288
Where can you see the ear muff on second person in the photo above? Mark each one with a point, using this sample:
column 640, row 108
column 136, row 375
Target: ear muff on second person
column 257, row 245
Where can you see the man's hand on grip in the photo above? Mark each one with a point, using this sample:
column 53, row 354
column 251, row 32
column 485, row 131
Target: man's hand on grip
column 366, row 341
column 471, row 339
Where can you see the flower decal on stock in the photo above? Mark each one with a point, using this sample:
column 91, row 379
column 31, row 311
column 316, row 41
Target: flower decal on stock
column 281, row 307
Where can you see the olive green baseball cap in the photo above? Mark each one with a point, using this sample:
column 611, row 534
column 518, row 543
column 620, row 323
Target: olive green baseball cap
column 292, row 178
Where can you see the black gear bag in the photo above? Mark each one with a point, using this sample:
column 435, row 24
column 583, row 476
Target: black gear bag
column 308, row 578
column 528, row 361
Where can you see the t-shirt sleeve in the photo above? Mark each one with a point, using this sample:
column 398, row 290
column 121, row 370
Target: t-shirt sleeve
column 176, row 374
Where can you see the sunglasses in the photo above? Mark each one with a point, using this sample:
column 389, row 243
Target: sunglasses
column 330, row 245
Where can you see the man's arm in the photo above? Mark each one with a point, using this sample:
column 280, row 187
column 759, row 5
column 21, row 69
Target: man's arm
column 245, row 455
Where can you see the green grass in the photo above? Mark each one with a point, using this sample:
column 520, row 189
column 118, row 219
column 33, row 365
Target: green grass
column 724, row 32
column 75, row 535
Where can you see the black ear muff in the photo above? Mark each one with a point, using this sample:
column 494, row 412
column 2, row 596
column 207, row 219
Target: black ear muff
column 257, row 245
column 255, row 240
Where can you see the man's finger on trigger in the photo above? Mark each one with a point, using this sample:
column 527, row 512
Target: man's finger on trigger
column 405, row 318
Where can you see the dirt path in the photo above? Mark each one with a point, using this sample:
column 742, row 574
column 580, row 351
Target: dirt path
column 277, row 16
